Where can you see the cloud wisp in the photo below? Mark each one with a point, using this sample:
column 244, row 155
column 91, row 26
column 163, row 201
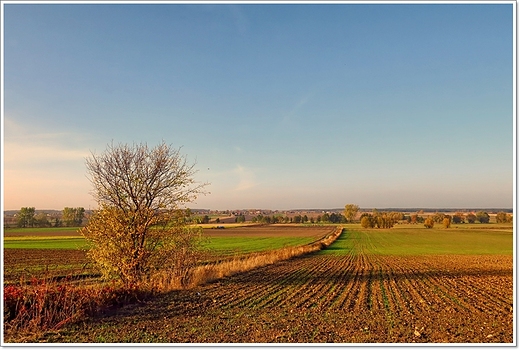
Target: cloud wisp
column 246, row 178
column 44, row 169
column 24, row 145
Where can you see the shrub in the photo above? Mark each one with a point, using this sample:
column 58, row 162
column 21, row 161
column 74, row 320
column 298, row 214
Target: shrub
column 471, row 218
column 503, row 217
column 42, row 305
column 366, row 222
column 429, row 223
column 482, row 217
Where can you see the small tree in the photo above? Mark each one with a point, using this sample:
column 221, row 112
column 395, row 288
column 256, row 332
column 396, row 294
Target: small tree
column 205, row 219
column 26, row 217
column 482, row 217
column 72, row 216
column 367, row 222
column 42, row 220
column 428, row 223
column 503, row 217
column 438, row 217
column 139, row 228
column 458, row 218
column 471, row 218
column 79, row 215
column 351, row 211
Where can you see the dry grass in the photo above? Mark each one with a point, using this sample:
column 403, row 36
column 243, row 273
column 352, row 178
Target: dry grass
column 43, row 305
column 202, row 274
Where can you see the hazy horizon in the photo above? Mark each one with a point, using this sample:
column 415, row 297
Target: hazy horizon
column 313, row 209
column 282, row 106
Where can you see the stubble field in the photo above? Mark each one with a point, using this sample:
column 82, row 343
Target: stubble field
column 362, row 289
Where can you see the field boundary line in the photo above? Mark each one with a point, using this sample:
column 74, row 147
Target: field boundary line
column 211, row 272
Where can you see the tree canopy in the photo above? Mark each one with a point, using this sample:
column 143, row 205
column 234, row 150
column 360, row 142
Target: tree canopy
column 351, row 211
column 139, row 228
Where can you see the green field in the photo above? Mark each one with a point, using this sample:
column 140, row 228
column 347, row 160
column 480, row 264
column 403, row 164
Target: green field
column 46, row 231
column 400, row 240
column 221, row 242
column 220, row 245
column 230, row 245
column 52, row 242
column 421, row 241
column 29, row 251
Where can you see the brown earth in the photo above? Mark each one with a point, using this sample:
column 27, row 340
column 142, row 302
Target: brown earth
column 28, row 263
column 38, row 233
column 358, row 298
column 46, row 262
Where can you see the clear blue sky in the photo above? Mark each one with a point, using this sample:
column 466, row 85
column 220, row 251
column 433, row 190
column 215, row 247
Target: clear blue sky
column 281, row 106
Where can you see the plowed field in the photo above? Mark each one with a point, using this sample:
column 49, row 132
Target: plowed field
column 37, row 258
column 347, row 294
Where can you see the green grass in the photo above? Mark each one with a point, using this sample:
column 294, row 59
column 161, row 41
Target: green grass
column 44, row 243
column 421, row 241
column 230, row 245
column 400, row 240
column 220, row 245
column 43, row 230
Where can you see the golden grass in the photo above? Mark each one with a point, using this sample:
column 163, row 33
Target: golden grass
column 202, row 274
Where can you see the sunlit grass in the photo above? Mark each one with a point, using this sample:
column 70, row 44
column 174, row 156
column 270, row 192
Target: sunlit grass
column 42, row 230
column 228, row 245
column 45, row 243
column 422, row 241
column 219, row 245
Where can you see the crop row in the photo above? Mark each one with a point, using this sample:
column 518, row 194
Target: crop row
column 433, row 298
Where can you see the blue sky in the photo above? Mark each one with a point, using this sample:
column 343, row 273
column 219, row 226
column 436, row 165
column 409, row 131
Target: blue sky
column 281, row 106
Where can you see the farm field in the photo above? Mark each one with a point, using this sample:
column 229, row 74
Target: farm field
column 48, row 252
column 401, row 285
column 42, row 232
column 244, row 240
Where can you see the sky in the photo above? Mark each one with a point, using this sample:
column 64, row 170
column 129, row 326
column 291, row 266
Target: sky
column 281, row 106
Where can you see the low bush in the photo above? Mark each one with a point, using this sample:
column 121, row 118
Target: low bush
column 43, row 305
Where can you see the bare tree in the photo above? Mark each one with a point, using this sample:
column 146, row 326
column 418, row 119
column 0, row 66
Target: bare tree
column 139, row 228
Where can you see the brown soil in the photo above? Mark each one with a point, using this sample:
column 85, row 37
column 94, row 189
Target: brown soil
column 324, row 298
column 43, row 263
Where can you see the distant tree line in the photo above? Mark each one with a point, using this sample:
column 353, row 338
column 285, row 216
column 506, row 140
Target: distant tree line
column 332, row 218
column 27, row 217
column 70, row 217
column 461, row 218
column 380, row 219
column 376, row 219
